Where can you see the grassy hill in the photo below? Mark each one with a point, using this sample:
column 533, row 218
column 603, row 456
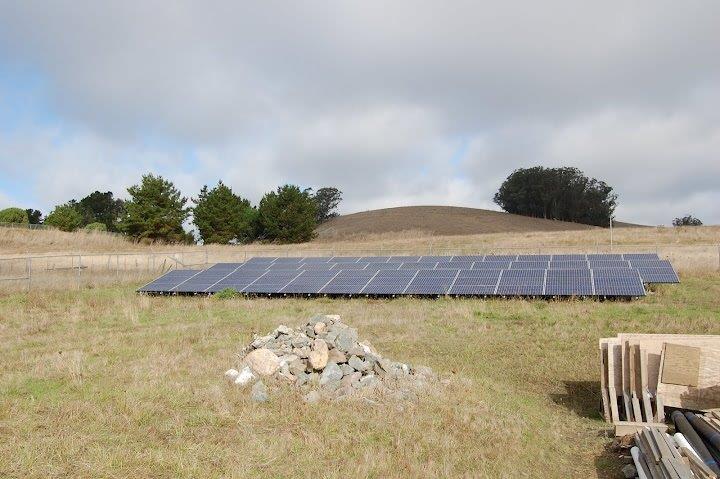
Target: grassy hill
column 439, row 220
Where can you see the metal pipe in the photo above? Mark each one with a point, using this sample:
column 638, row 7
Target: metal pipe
column 710, row 435
column 682, row 425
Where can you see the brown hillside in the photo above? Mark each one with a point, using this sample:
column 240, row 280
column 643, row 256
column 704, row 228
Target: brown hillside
column 438, row 220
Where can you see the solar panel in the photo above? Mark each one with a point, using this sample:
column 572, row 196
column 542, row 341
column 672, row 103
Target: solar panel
column 619, row 286
column 569, row 264
column 203, row 280
column 271, row 282
column 237, row 280
column 608, row 263
column 167, row 281
column 641, row 256
column 309, row 282
column 507, row 275
column 658, row 275
column 605, row 257
column 348, row 282
column 569, row 257
column 431, row 282
column 529, row 265
column 389, row 282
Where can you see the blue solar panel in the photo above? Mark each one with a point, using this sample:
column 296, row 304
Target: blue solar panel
column 169, row 280
column 569, row 264
column 605, row 257
column 619, row 286
column 431, row 282
column 529, row 265
column 534, row 257
column 562, row 275
column 309, row 282
column 658, row 275
column 641, row 256
column 389, row 282
column 569, row 257
column 205, row 279
column 237, row 280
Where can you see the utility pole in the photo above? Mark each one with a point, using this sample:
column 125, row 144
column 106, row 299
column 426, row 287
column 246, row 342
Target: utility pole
column 611, row 236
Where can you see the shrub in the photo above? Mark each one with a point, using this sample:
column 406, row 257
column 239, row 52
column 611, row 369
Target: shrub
column 14, row 215
column 227, row 293
column 64, row 217
column 96, row 227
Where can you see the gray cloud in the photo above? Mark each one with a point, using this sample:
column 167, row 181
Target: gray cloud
column 377, row 98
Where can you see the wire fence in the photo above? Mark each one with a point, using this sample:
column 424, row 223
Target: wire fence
column 75, row 271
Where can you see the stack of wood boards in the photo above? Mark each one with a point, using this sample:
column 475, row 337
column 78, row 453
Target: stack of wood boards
column 641, row 374
column 659, row 456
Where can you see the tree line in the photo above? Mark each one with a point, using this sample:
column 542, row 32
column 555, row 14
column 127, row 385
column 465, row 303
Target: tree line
column 157, row 211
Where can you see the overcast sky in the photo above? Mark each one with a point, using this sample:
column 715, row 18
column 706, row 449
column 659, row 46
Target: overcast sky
column 395, row 103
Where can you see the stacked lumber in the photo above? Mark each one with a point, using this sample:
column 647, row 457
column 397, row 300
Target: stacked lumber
column 642, row 374
column 657, row 455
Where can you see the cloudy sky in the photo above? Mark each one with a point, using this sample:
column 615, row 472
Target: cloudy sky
column 395, row 103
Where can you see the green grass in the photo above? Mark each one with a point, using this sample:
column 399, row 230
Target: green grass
column 105, row 383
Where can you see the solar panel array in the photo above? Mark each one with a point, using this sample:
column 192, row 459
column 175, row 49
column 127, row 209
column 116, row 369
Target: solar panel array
column 608, row 275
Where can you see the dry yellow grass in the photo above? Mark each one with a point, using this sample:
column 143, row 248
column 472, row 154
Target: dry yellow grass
column 105, row 383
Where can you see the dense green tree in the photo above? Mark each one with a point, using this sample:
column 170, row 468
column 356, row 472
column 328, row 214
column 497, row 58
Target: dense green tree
column 564, row 194
column 688, row 220
column 103, row 208
column 65, row 217
column 156, row 211
column 287, row 215
column 222, row 216
column 14, row 215
column 327, row 200
column 34, row 216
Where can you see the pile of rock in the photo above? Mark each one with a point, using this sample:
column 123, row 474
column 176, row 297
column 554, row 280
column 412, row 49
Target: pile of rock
column 324, row 358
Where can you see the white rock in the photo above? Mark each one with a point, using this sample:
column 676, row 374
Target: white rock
column 319, row 356
column 244, row 377
column 320, row 328
column 263, row 362
column 231, row 374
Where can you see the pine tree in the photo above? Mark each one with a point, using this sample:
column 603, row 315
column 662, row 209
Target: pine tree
column 156, row 211
column 287, row 215
column 65, row 217
column 222, row 216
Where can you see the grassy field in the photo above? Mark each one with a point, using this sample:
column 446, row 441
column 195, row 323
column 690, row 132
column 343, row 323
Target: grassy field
column 105, row 383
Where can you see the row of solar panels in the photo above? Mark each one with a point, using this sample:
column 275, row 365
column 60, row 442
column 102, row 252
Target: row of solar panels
column 268, row 261
column 481, row 282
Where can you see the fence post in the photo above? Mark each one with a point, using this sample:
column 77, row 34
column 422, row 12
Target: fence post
column 78, row 270
column 29, row 273
column 117, row 265
column 206, row 256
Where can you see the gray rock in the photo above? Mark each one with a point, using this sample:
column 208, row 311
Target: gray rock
column 332, row 372
column 347, row 369
column 368, row 380
column 358, row 364
column 629, row 471
column 330, row 339
column 303, row 352
column 346, row 339
column 356, row 350
column 298, row 366
column 282, row 329
column 310, row 332
column 351, row 379
column 260, row 341
column 300, row 342
column 259, row 392
column 312, row 397
column 301, row 379
column 336, row 356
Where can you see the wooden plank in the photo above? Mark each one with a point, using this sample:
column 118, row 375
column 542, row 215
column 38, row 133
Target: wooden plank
column 707, row 393
column 623, row 428
column 681, row 365
column 625, row 377
column 614, row 379
column 604, row 379
column 647, row 406
column 635, row 402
